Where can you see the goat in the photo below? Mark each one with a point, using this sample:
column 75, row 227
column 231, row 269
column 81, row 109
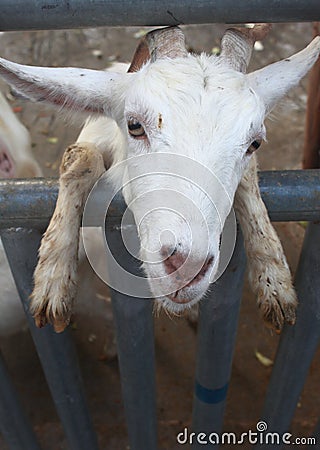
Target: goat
column 16, row 158
column 204, row 108
column 16, row 161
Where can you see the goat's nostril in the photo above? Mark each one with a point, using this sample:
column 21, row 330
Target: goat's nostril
column 173, row 259
column 167, row 251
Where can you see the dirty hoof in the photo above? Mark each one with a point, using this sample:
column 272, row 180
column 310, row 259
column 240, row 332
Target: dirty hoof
column 45, row 317
column 55, row 286
column 45, row 314
column 277, row 302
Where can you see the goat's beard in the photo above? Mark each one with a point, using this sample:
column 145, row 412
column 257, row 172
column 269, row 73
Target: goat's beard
column 174, row 309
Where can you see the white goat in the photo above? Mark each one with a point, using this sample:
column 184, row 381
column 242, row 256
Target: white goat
column 204, row 108
column 16, row 161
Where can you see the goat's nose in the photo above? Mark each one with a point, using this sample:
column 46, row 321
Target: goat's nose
column 192, row 270
column 173, row 259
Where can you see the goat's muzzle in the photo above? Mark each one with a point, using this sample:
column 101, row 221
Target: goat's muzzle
column 184, row 270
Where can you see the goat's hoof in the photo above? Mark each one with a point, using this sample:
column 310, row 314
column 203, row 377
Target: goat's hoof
column 55, row 283
column 43, row 318
column 45, row 313
column 278, row 306
column 59, row 324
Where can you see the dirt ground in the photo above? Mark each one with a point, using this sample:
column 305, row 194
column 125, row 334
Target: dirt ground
column 175, row 340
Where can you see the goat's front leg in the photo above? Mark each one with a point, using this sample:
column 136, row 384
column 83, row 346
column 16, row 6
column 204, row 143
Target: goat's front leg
column 268, row 271
column 55, row 276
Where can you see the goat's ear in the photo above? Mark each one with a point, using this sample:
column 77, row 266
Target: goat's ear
column 82, row 90
column 274, row 81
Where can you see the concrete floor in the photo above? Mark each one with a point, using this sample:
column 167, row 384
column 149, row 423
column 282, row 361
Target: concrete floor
column 175, row 339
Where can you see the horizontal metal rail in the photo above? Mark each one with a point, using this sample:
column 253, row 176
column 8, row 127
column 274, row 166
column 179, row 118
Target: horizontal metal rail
column 289, row 196
column 58, row 14
column 57, row 352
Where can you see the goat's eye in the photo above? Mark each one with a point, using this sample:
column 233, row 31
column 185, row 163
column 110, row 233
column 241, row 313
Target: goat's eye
column 135, row 129
column 254, row 146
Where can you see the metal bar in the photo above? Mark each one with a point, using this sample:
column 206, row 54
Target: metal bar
column 316, row 434
column 14, row 424
column 289, row 195
column 56, row 351
column 135, row 342
column 297, row 344
column 49, row 14
column 216, row 338
column 27, row 203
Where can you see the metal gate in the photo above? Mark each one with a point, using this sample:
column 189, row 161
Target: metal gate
column 25, row 210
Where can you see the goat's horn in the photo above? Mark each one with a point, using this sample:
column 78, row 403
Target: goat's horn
column 237, row 44
column 166, row 42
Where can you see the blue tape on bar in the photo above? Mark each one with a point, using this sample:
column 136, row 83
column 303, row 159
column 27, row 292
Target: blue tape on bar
column 211, row 396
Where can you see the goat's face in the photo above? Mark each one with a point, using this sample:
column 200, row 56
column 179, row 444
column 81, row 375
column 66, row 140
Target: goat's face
column 202, row 116
column 183, row 115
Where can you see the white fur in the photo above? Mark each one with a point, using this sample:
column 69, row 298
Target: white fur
column 197, row 107
column 17, row 140
column 15, row 147
column 268, row 271
column 53, row 279
column 15, row 144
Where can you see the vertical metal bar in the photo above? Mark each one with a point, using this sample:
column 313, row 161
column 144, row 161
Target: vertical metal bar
column 216, row 338
column 316, row 434
column 298, row 343
column 14, row 424
column 135, row 342
column 56, row 351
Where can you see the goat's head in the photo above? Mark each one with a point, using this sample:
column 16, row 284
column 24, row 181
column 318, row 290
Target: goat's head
column 201, row 108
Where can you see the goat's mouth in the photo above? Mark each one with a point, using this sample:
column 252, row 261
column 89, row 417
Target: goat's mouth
column 179, row 302
column 183, row 296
